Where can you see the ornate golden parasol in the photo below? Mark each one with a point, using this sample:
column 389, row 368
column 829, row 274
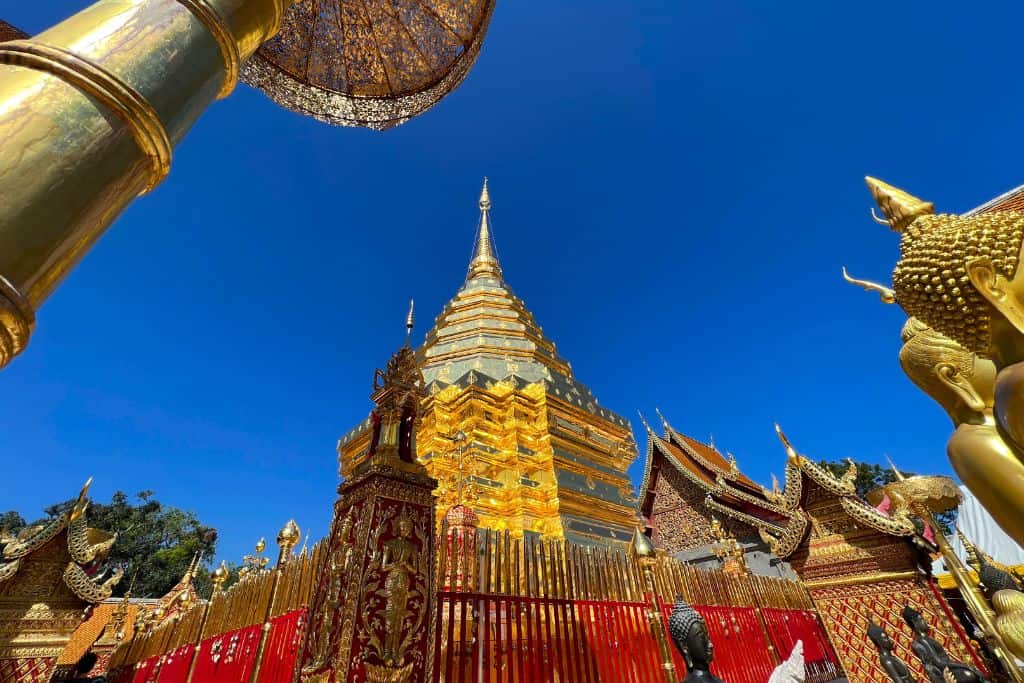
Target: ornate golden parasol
column 371, row 63
column 936, row 493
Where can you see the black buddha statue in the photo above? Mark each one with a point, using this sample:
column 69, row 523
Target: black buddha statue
column 690, row 635
column 933, row 656
column 894, row 667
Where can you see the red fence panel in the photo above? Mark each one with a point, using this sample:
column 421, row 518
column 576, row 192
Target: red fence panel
column 282, row 647
column 176, row 664
column 786, row 626
column 741, row 653
column 486, row 637
column 228, row 657
column 146, row 669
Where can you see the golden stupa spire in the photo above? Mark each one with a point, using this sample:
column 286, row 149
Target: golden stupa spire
column 410, row 321
column 484, row 260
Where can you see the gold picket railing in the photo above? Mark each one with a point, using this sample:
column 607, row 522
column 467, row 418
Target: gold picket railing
column 529, row 609
column 698, row 586
column 246, row 603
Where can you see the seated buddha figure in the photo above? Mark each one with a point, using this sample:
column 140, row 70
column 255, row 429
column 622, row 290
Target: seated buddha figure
column 937, row 664
column 690, row 635
column 895, row 668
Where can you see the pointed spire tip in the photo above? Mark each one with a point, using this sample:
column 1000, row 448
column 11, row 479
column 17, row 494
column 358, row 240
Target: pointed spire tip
column 484, row 261
column 485, row 197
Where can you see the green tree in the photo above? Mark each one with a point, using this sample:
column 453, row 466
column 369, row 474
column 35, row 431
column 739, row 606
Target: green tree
column 155, row 543
column 11, row 522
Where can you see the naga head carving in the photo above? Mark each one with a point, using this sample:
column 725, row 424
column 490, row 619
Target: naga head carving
column 957, row 274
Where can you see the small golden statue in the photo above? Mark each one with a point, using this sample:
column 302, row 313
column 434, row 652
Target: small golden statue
column 400, row 562
column 964, row 342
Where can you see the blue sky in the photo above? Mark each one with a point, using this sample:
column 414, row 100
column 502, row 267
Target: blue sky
column 675, row 188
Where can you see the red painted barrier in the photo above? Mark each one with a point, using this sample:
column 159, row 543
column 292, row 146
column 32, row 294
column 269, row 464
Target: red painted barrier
column 282, row 647
column 228, row 657
column 786, row 626
column 176, row 664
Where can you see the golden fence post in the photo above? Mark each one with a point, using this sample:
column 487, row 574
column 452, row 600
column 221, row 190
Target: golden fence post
column 287, row 538
column 219, row 576
column 646, row 557
column 90, row 111
column 753, row 588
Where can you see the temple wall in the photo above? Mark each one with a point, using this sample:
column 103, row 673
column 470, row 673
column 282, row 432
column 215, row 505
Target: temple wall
column 854, row 573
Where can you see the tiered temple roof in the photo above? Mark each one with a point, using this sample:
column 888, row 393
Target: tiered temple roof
column 49, row 574
column 541, row 453
column 686, row 481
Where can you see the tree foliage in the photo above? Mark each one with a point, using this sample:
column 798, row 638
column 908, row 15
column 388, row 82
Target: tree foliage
column 156, row 542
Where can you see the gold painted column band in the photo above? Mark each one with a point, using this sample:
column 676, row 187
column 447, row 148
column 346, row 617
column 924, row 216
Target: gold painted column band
column 16, row 321
column 123, row 100
column 856, row 580
column 221, row 32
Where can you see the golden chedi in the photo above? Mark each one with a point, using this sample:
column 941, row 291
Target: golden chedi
column 958, row 276
column 506, row 428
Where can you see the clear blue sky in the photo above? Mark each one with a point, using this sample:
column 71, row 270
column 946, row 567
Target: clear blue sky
column 675, row 187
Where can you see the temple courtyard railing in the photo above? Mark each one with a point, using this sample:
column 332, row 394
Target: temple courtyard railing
column 250, row 632
column 507, row 609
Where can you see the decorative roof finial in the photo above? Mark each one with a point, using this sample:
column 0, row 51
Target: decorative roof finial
column 410, row 321
column 900, row 208
column 485, row 197
column 484, row 261
column 899, row 475
column 791, row 453
column 664, row 423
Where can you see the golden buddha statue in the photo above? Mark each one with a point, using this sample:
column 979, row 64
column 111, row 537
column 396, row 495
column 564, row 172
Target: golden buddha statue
column 964, row 345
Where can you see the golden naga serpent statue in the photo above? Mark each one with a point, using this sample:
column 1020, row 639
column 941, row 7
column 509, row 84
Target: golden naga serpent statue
column 959, row 280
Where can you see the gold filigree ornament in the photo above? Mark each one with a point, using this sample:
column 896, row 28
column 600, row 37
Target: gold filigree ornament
column 370, row 64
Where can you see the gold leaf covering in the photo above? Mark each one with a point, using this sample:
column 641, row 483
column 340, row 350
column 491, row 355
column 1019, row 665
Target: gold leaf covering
column 371, row 63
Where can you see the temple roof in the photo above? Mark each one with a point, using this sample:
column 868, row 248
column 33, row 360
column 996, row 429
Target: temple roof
column 486, row 334
column 779, row 516
column 727, row 489
column 87, row 549
column 1008, row 201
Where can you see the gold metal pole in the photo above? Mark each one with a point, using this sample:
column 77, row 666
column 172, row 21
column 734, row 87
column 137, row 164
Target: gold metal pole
column 90, row 111
column 218, row 576
column 644, row 553
column 287, row 539
column 973, row 596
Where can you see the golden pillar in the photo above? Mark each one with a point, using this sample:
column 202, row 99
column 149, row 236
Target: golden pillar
column 90, row 111
column 643, row 552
